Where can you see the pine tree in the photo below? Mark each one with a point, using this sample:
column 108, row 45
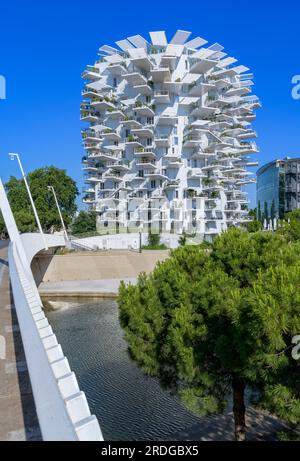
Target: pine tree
column 210, row 323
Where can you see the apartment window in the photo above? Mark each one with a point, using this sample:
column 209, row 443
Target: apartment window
column 175, row 130
column 123, row 154
column 148, row 99
column 115, row 185
column 149, row 141
column 153, row 184
column 186, row 65
column 150, row 120
column 115, row 82
column 176, row 140
column 140, row 193
column 176, row 194
column 128, row 215
column 141, row 173
column 127, row 133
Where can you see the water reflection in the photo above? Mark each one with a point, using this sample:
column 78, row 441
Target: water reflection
column 129, row 405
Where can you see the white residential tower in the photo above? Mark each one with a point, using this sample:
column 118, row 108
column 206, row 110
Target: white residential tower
column 169, row 136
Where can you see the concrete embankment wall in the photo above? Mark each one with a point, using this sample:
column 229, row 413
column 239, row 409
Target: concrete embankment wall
column 118, row 264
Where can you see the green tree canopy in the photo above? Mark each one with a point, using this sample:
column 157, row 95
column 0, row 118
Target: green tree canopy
column 84, row 223
column 211, row 323
column 38, row 181
column 290, row 227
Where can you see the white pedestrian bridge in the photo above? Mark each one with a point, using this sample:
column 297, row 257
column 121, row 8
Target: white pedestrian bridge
column 62, row 409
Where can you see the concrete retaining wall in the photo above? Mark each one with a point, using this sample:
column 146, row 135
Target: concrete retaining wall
column 95, row 266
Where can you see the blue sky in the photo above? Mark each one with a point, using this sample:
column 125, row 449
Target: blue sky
column 44, row 47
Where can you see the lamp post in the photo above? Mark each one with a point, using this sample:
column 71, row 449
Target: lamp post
column 59, row 212
column 12, row 157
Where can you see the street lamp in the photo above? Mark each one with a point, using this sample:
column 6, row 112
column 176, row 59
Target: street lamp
column 12, row 157
column 59, row 212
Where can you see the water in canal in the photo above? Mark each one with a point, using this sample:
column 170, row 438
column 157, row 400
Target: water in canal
column 128, row 404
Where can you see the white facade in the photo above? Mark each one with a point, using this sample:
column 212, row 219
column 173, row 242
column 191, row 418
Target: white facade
column 169, row 136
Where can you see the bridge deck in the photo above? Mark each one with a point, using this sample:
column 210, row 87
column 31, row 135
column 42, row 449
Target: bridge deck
column 18, row 420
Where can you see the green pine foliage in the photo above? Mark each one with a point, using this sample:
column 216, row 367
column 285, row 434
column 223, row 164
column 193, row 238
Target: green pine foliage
column 212, row 322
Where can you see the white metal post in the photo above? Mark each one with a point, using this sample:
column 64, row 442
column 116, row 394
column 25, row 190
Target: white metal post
column 59, row 212
column 13, row 156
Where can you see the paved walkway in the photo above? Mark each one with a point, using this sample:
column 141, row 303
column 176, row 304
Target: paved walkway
column 18, row 420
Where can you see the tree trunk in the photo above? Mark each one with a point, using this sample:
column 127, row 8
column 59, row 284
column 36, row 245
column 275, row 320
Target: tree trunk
column 239, row 409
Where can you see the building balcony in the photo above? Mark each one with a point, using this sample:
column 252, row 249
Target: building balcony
column 144, row 89
column 104, row 156
column 90, row 117
column 111, row 135
column 131, row 123
column 135, row 78
column 161, row 74
column 143, row 132
column 145, row 164
column 195, row 173
column 142, row 63
column 161, row 97
column 103, row 104
column 174, row 184
column 174, row 163
column 144, row 110
column 117, row 69
column 88, row 201
column 90, row 136
column 162, row 141
column 167, row 120
column 156, row 174
column 144, row 152
column 134, row 142
column 91, row 73
column 93, row 179
column 202, row 66
column 90, row 93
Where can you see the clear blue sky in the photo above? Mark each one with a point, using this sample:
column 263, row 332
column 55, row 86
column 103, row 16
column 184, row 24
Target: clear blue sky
column 44, row 47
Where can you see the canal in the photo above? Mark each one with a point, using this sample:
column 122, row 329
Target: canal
column 128, row 404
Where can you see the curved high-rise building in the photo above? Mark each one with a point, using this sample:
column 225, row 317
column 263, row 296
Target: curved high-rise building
column 169, row 136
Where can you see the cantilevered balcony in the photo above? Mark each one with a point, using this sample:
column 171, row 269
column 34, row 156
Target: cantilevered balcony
column 167, row 120
column 102, row 104
column 135, row 78
column 161, row 97
column 131, row 123
column 156, row 174
column 133, row 141
column 162, row 140
column 202, row 66
column 117, row 68
column 143, row 110
column 248, row 148
column 91, row 73
column 89, row 116
column 90, row 136
column 161, row 74
column 111, row 135
column 145, row 163
column 143, row 132
column 144, row 89
column 144, row 152
column 88, row 92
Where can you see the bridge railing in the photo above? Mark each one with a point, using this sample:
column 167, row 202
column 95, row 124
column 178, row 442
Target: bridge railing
column 62, row 409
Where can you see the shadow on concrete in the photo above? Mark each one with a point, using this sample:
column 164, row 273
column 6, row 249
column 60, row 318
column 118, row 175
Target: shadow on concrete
column 261, row 427
column 4, row 262
column 31, row 424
